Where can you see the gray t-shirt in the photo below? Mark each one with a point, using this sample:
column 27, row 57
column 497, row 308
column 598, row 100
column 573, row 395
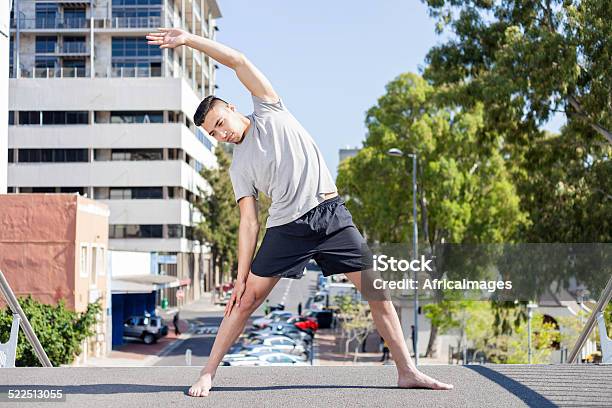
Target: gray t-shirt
column 278, row 157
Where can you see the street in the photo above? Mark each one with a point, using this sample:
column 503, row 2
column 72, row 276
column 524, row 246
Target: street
column 288, row 291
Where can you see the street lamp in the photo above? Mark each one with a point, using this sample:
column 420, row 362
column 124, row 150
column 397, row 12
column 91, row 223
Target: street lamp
column 530, row 308
column 415, row 238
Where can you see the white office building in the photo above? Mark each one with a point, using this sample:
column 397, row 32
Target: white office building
column 94, row 109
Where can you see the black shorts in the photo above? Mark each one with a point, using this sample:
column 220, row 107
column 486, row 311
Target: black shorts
column 326, row 234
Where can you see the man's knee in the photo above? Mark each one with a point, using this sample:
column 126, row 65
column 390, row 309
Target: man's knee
column 248, row 303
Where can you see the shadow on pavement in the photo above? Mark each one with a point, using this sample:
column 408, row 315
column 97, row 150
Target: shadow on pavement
column 92, row 389
column 527, row 395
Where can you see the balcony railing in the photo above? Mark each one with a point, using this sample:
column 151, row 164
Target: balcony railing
column 74, row 48
column 64, row 72
column 118, row 72
column 129, row 22
column 51, row 23
column 132, row 72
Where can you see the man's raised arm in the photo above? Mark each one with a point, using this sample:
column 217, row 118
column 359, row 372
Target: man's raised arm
column 247, row 73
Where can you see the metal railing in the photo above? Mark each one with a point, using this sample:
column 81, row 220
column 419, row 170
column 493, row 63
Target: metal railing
column 65, row 48
column 74, row 48
column 71, row 72
column 134, row 72
column 65, row 72
column 603, row 301
column 51, row 23
column 128, row 22
column 15, row 307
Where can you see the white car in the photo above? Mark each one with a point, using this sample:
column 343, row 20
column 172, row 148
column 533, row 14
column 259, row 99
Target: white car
column 283, row 343
column 272, row 317
column 267, row 359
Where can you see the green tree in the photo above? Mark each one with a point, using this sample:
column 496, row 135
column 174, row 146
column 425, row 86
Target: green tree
column 220, row 216
column 525, row 60
column 565, row 184
column 59, row 330
column 465, row 190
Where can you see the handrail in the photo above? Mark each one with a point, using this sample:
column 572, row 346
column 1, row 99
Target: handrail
column 9, row 296
column 603, row 301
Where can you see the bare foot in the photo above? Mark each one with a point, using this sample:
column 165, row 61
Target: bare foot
column 421, row 380
column 201, row 387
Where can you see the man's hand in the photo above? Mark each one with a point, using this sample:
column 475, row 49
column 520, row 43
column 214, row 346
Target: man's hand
column 237, row 293
column 168, row 37
column 247, row 73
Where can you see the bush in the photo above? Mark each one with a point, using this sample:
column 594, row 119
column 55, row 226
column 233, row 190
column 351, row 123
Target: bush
column 59, row 330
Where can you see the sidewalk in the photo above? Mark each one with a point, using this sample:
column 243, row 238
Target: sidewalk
column 330, row 346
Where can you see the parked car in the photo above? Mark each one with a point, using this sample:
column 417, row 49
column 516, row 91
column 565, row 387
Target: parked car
column 147, row 328
column 286, row 329
column 275, row 316
column 324, row 318
column 267, row 359
column 304, row 323
column 281, row 343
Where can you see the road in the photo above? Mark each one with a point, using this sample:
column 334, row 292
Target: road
column 289, row 291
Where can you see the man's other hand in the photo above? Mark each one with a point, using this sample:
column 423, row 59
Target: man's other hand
column 237, row 293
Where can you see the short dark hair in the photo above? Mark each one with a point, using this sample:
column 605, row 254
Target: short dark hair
column 203, row 109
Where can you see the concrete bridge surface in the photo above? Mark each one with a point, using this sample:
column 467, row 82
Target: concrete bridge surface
column 335, row 386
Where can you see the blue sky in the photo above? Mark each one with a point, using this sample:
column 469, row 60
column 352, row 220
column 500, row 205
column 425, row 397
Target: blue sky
column 328, row 60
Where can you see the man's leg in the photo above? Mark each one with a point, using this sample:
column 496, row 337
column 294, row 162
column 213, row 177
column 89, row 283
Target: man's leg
column 256, row 290
column 388, row 326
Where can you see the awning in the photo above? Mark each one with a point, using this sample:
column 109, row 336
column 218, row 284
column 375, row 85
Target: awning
column 142, row 283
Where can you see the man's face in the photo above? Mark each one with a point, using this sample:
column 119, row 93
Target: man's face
column 224, row 124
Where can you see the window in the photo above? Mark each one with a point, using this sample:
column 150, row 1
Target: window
column 11, row 48
column 94, row 264
column 74, row 63
column 147, row 192
column 101, row 265
column 80, row 190
column 132, row 56
column 65, row 117
column 45, row 66
column 75, row 17
column 41, row 190
column 11, row 118
column 189, row 233
column 120, row 194
column 11, row 155
column 175, row 231
column 203, row 139
column 273, row 359
column 137, row 117
column 136, row 8
column 29, row 118
column 84, row 262
column 45, row 44
column 151, row 231
column 74, row 45
column 135, row 231
column 133, row 47
column 46, row 15
column 136, row 154
column 285, row 359
column 52, row 155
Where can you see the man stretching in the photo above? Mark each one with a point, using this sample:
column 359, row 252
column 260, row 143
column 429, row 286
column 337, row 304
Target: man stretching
column 307, row 219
